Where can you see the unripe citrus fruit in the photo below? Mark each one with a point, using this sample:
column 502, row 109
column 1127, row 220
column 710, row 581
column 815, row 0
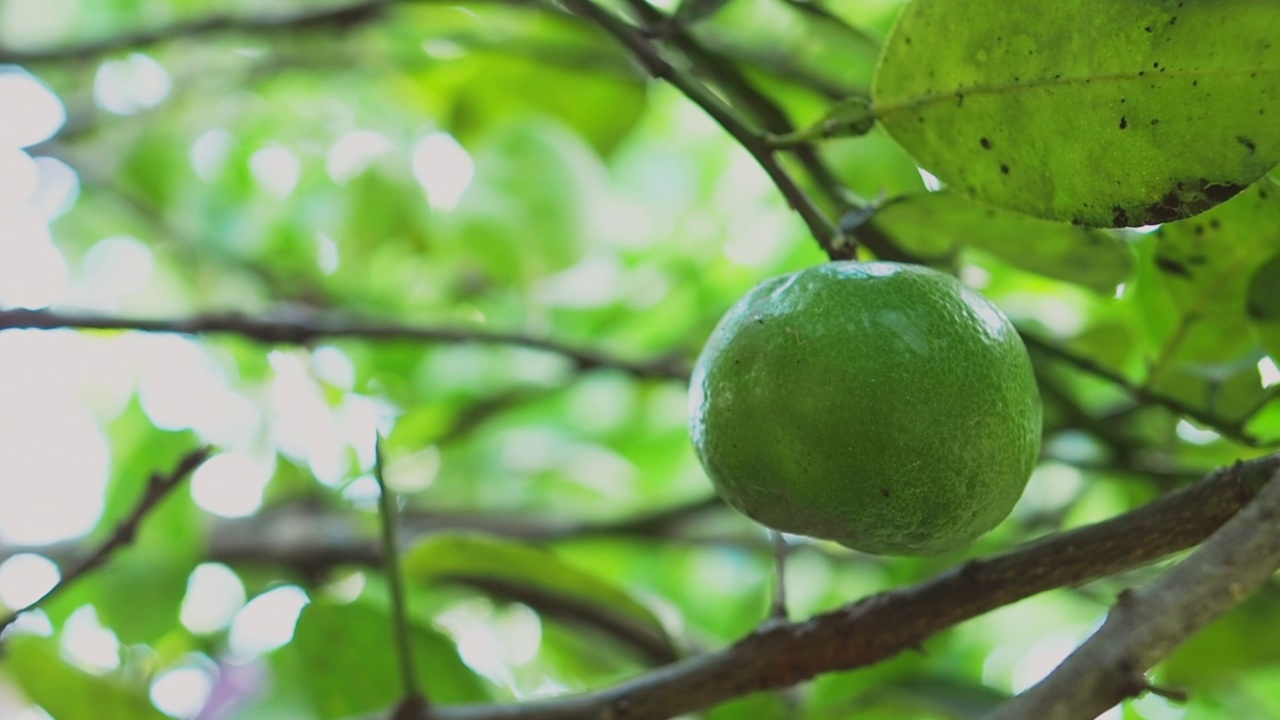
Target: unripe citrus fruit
column 884, row 406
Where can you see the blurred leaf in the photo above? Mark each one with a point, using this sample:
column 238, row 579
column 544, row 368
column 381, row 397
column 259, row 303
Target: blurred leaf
column 541, row 580
column 940, row 697
column 529, row 211
column 1245, row 638
column 756, row 706
column 137, row 578
column 1095, row 126
column 70, row 694
column 1262, row 302
column 349, row 664
column 938, row 221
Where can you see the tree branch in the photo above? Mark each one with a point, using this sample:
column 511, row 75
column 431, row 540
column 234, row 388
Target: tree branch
column 832, row 240
column 781, row 654
column 158, row 488
column 336, row 18
column 725, row 74
column 1148, row 624
column 303, row 329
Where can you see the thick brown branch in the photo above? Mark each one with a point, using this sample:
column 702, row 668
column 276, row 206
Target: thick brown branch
column 881, row 626
column 301, row 329
column 337, row 18
column 158, row 488
column 1148, row 624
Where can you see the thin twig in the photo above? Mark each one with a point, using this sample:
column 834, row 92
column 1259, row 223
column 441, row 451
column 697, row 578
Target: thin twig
column 730, row 78
column 1147, row 624
column 781, row 654
column 339, row 18
column 823, row 229
column 158, row 488
column 303, row 329
column 401, row 630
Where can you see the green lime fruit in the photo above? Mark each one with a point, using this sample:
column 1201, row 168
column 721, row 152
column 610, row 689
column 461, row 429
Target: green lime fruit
column 884, row 406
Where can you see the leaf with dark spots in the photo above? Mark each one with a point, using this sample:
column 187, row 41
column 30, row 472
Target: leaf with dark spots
column 1204, row 263
column 1191, row 138
column 1173, row 267
column 1186, row 198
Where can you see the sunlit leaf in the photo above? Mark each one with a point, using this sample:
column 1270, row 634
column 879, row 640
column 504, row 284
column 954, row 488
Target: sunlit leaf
column 1245, row 638
column 540, row 579
column 349, row 663
column 67, row 693
column 937, row 222
column 1144, row 112
column 1204, row 261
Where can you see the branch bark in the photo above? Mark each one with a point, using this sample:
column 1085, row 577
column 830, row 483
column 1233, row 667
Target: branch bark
column 1148, row 624
column 303, row 329
column 781, row 654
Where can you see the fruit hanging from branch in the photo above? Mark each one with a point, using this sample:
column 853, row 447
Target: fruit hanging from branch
column 884, row 406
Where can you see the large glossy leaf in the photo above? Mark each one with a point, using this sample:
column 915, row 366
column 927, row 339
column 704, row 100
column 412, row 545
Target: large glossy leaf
column 67, row 693
column 1089, row 111
column 349, row 665
column 540, row 579
column 940, row 221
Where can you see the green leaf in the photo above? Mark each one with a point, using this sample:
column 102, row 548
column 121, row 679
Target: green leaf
column 1203, row 262
column 941, row 221
column 1262, row 303
column 756, row 706
column 528, row 213
column 349, row 664
column 1094, row 112
column 1244, row 639
column 541, row 580
column 70, row 694
column 941, row 697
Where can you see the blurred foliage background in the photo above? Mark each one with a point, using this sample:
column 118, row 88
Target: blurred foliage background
column 507, row 167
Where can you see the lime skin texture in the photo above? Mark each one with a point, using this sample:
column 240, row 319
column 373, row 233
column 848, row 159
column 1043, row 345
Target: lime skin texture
column 884, row 406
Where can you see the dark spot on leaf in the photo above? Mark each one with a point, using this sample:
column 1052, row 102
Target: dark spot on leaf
column 959, row 99
column 1173, row 267
column 1173, row 20
column 1147, row 28
column 886, row 492
column 1124, row 122
column 1155, row 64
column 1186, row 198
column 1155, row 121
column 986, row 144
column 1198, row 229
column 1215, row 223
column 1120, row 218
column 1004, row 168
column 1195, row 83
column 1248, row 144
